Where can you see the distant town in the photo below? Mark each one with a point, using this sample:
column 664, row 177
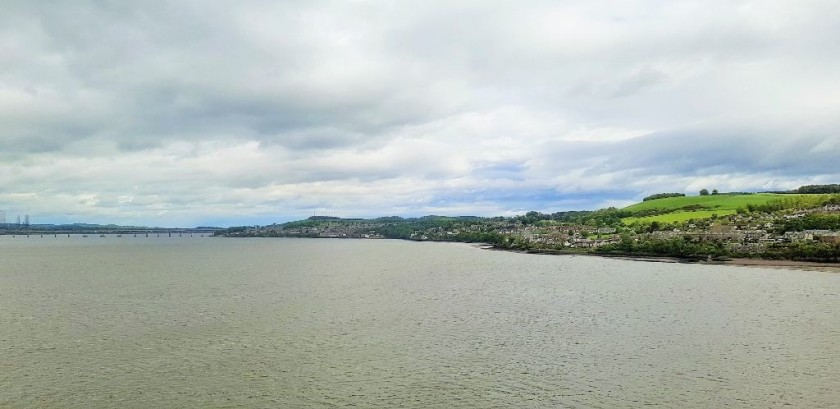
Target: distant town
column 798, row 225
column 803, row 224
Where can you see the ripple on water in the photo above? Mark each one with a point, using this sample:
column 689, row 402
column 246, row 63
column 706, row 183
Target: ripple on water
column 312, row 323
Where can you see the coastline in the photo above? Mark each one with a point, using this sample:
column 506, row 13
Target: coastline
column 739, row 262
column 736, row 262
column 785, row 264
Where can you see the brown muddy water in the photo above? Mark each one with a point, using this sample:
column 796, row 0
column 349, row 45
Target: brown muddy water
column 211, row 322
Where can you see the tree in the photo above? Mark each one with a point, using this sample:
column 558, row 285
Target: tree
column 714, row 191
column 662, row 196
column 704, row 192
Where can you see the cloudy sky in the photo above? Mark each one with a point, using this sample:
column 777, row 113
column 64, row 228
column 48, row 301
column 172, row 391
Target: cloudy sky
column 252, row 112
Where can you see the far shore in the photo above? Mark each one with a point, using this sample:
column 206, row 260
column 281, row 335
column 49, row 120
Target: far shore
column 739, row 262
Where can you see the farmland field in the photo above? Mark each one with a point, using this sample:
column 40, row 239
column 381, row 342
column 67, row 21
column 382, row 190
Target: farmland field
column 721, row 205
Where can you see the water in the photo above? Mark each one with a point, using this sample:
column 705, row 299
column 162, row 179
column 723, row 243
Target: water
column 210, row 322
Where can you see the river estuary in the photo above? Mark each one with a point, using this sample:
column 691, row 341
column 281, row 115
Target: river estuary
column 213, row 322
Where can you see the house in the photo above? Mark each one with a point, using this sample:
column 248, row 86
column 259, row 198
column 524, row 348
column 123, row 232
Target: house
column 721, row 228
column 830, row 237
column 798, row 236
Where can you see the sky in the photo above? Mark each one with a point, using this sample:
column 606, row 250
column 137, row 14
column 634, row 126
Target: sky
column 245, row 112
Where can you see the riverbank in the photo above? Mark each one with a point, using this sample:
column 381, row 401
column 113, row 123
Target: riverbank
column 738, row 262
column 785, row 264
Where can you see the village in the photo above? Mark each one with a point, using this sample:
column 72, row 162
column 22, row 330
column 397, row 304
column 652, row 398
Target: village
column 741, row 233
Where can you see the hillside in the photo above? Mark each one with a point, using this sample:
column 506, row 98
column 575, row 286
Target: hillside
column 680, row 209
column 786, row 226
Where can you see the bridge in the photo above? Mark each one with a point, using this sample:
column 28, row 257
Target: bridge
column 118, row 232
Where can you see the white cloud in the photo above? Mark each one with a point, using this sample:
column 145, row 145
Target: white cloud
column 177, row 113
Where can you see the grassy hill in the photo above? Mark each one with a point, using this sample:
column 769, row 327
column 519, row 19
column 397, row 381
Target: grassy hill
column 680, row 209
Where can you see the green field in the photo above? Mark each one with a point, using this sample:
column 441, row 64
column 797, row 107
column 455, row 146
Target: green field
column 721, row 205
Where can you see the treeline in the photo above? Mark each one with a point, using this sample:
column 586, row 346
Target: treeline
column 533, row 217
column 489, row 237
column 399, row 228
column 804, row 251
column 609, row 217
column 679, row 247
column 663, row 196
column 819, row 189
column 814, row 221
column 685, row 248
column 808, row 189
column 798, row 202
column 658, row 211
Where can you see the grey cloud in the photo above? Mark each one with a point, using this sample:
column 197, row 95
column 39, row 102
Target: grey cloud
column 293, row 104
column 729, row 151
column 175, row 72
column 643, row 78
column 767, row 154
